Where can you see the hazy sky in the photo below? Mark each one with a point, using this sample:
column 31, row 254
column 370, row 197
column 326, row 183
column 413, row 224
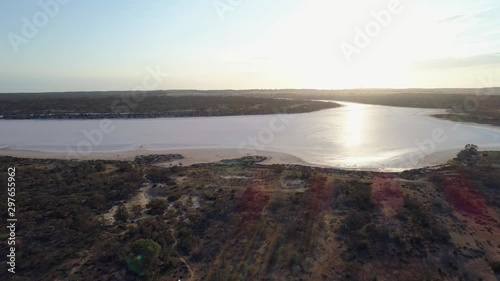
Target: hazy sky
column 241, row 44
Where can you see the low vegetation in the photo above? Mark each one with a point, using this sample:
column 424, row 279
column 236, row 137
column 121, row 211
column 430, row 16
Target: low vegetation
column 240, row 220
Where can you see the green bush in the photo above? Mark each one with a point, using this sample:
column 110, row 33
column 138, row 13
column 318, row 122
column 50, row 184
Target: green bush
column 469, row 153
column 157, row 207
column 144, row 258
column 122, row 214
column 99, row 166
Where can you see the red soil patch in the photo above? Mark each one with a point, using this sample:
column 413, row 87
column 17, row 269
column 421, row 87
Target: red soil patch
column 252, row 201
column 387, row 195
column 463, row 197
column 320, row 195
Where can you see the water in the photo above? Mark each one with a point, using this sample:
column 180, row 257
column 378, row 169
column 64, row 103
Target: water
column 353, row 136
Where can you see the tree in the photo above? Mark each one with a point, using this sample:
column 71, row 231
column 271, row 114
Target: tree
column 468, row 154
column 144, row 258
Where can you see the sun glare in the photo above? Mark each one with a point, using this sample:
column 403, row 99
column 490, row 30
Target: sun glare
column 353, row 127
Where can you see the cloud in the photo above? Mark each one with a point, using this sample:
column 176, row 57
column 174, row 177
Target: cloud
column 260, row 58
column 472, row 61
column 467, row 15
column 452, row 18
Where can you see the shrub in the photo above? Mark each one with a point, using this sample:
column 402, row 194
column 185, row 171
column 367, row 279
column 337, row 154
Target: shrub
column 294, row 261
column 157, row 207
column 354, row 221
column 495, row 266
column 99, row 166
column 159, row 175
column 173, row 198
column 362, row 245
column 122, row 214
column 353, row 194
column 277, row 205
column 469, row 153
column 137, row 209
column 144, row 258
column 439, row 233
column 110, row 249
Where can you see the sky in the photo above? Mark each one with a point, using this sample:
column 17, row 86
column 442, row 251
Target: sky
column 77, row 45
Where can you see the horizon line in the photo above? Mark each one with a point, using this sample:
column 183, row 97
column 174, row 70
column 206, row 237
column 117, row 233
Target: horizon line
column 248, row 89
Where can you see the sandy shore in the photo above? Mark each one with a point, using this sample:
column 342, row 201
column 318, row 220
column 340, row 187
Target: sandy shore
column 191, row 156
column 205, row 155
column 212, row 155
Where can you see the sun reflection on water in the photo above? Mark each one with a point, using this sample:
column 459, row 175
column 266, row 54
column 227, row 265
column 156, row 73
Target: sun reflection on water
column 353, row 126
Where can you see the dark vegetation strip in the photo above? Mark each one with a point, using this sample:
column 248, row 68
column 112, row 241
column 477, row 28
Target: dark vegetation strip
column 465, row 105
column 152, row 105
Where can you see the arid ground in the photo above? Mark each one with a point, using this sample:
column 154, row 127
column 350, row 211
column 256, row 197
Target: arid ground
column 240, row 220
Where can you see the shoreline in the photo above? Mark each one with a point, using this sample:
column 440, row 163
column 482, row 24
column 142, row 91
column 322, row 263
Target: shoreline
column 206, row 156
column 191, row 156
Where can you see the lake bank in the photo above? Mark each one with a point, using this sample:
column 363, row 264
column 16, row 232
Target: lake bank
column 208, row 156
column 354, row 136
